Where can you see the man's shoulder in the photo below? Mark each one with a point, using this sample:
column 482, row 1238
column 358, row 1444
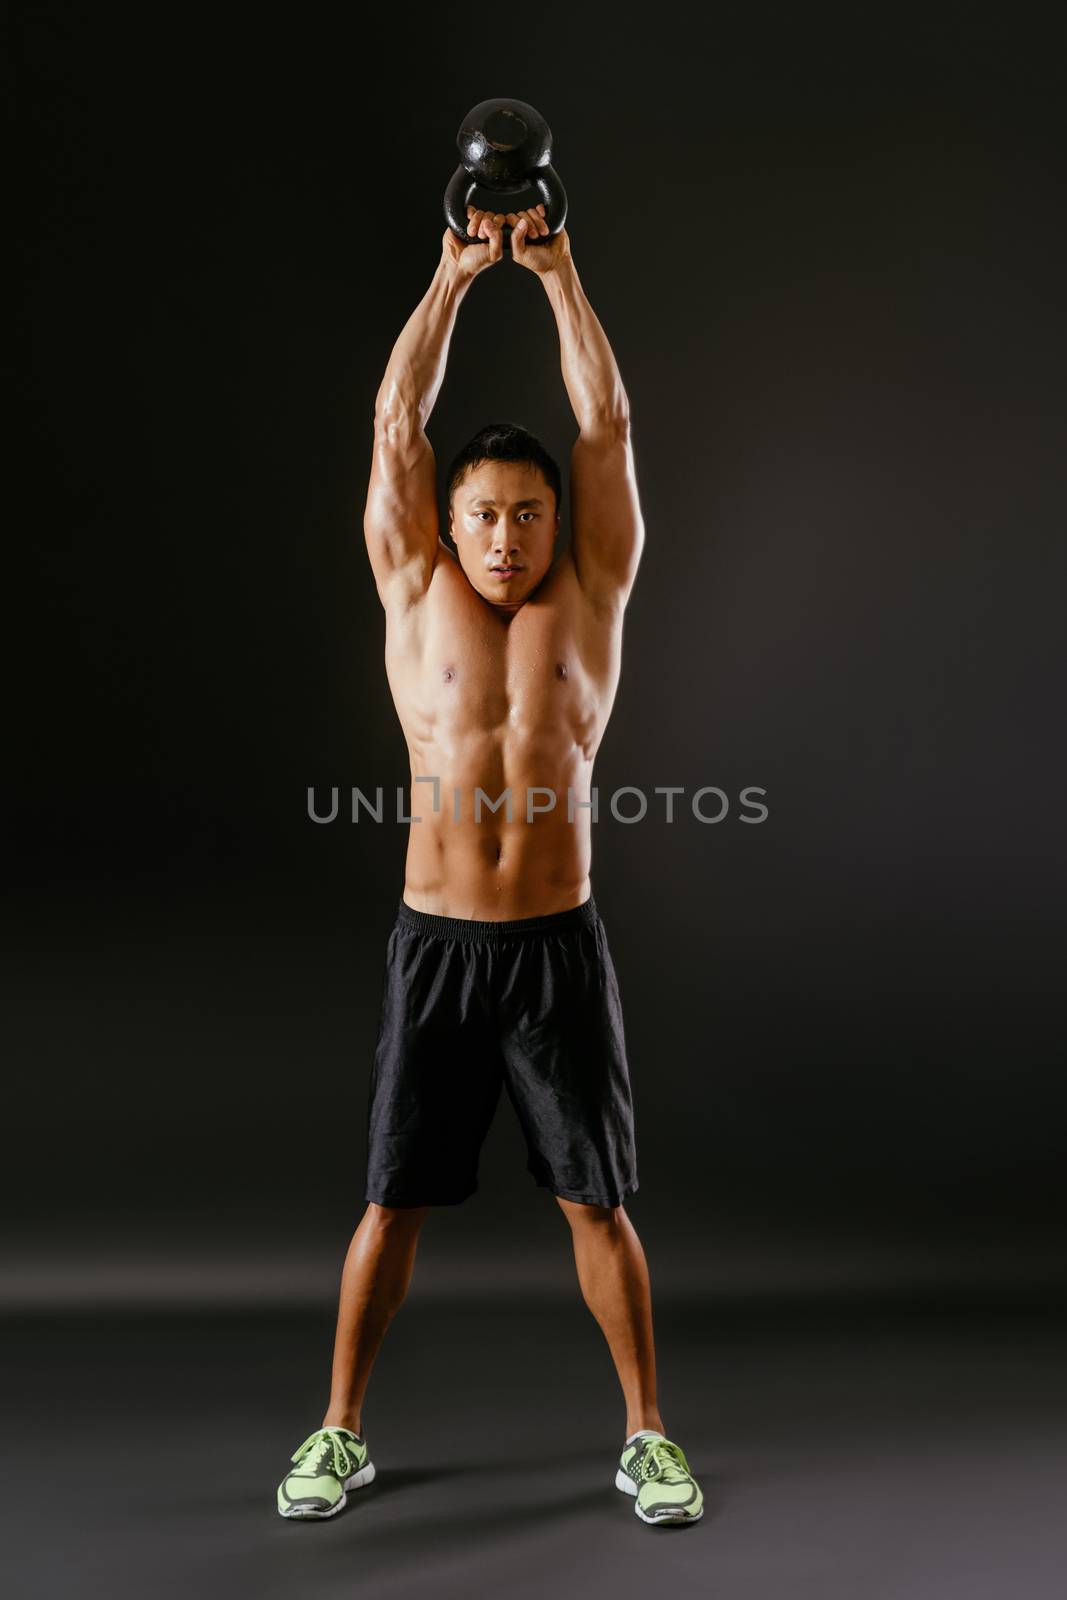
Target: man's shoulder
column 406, row 600
column 602, row 607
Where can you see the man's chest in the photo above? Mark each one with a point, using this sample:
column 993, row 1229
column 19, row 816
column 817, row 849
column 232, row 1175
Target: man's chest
column 543, row 673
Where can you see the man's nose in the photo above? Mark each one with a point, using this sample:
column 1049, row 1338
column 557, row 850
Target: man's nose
column 504, row 539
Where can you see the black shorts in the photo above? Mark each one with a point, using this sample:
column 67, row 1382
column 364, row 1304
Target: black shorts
column 467, row 1007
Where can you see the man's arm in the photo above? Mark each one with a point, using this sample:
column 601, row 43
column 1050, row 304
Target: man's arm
column 607, row 529
column 400, row 519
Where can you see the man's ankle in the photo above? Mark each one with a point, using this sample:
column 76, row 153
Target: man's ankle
column 653, row 1424
column 338, row 1419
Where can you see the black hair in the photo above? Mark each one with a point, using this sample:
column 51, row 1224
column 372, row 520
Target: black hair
column 504, row 441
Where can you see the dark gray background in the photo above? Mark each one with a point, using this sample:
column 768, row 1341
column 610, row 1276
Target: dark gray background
column 828, row 250
column 831, row 268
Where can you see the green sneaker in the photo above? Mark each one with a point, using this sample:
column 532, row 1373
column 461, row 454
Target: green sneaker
column 328, row 1463
column 657, row 1473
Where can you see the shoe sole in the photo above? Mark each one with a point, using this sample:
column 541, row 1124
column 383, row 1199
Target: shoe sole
column 358, row 1480
column 624, row 1482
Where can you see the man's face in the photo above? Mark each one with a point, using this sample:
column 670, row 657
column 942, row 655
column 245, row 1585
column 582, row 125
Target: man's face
column 504, row 522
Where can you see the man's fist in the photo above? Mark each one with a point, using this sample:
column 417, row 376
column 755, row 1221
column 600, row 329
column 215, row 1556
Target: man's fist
column 540, row 258
column 470, row 259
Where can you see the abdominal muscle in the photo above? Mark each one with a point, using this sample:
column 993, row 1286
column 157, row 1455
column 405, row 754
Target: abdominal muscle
column 495, row 870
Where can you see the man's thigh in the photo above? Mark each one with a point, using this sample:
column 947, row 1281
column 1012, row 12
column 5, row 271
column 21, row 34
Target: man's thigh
column 436, row 1078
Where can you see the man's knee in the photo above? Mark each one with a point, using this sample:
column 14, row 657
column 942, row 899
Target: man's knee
column 580, row 1215
column 395, row 1219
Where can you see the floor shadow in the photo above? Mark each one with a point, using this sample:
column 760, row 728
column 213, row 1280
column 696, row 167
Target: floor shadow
column 388, row 1482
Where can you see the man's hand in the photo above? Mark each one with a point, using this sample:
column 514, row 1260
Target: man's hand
column 470, row 259
column 540, row 258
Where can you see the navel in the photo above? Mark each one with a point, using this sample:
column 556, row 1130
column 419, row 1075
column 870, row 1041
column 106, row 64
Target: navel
column 561, row 669
column 448, row 674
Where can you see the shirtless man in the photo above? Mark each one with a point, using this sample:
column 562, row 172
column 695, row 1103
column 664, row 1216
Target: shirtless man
column 503, row 659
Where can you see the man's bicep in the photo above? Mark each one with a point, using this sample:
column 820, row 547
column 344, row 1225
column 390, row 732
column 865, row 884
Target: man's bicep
column 607, row 528
column 400, row 520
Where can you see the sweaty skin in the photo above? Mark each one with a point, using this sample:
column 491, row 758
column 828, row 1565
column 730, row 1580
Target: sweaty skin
column 502, row 682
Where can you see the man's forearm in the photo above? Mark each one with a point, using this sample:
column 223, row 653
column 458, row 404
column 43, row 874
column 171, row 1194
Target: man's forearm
column 590, row 372
column 416, row 368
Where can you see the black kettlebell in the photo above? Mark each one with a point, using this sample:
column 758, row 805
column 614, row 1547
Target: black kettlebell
column 505, row 149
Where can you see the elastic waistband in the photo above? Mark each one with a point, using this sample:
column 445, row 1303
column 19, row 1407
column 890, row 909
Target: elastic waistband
column 474, row 932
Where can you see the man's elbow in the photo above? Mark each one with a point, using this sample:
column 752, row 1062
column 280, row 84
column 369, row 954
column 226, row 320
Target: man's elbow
column 396, row 424
column 398, row 414
column 610, row 426
column 400, row 442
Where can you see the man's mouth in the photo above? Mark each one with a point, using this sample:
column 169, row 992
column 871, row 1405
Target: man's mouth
column 505, row 571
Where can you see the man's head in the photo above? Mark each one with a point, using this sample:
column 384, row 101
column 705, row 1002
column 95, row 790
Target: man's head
column 503, row 512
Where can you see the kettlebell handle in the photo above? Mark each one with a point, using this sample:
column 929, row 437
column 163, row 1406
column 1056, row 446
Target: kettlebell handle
column 545, row 180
